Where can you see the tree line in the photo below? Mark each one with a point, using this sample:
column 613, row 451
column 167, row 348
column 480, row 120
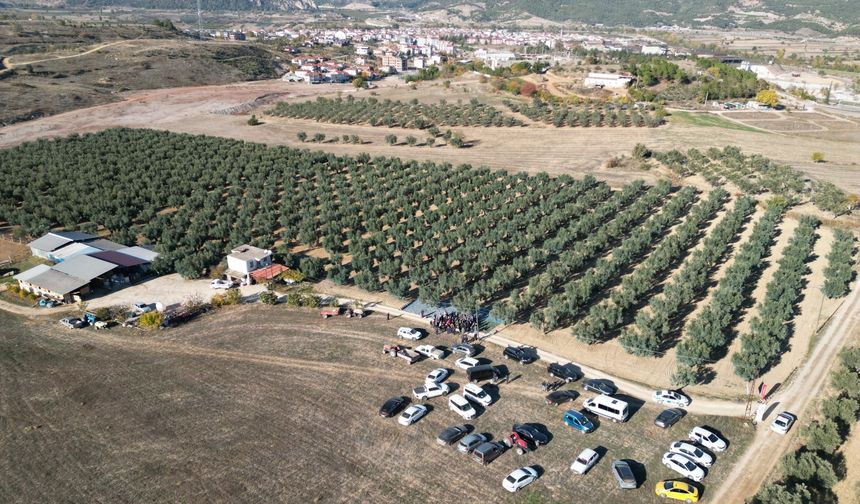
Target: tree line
column 585, row 115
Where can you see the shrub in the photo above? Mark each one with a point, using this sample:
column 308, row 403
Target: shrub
column 232, row 297
column 253, row 121
column 151, row 320
column 302, row 136
column 818, row 157
column 268, row 297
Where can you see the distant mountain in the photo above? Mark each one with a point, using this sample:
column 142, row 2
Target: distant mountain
column 227, row 5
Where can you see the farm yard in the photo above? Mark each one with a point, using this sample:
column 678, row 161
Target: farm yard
column 212, row 426
column 571, row 258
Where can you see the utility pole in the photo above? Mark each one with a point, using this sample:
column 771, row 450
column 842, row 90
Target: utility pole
column 199, row 20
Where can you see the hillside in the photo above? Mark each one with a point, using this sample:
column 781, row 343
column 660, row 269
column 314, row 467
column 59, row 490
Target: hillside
column 230, row 5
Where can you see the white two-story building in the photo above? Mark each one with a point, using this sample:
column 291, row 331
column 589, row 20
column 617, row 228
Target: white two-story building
column 244, row 260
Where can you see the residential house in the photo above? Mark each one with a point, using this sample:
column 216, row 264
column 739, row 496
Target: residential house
column 245, row 259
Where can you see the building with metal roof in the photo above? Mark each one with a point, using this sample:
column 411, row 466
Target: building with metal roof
column 140, row 252
column 56, row 285
column 86, row 267
column 71, row 250
column 32, row 272
column 45, row 245
column 104, row 244
column 119, row 259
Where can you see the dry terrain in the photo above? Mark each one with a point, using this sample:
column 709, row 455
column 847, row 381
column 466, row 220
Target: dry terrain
column 267, row 404
column 534, row 148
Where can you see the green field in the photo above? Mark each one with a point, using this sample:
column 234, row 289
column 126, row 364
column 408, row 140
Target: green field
column 708, row 120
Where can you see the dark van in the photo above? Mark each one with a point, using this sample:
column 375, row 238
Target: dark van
column 481, row 373
column 488, row 452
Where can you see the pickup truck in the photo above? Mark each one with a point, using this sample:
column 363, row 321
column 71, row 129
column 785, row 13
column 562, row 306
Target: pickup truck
column 404, row 353
column 430, row 351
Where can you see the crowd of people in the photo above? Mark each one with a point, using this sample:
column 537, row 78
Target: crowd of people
column 454, row 322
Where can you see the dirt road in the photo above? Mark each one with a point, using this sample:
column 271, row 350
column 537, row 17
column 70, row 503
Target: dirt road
column 12, row 64
column 766, row 449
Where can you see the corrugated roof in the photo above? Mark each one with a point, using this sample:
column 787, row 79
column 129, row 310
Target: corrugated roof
column 72, row 250
column 32, row 272
column 103, row 244
column 58, row 282
column 86, row 267
column 269, row 272
column 118, row 258
column 75, row 235
column 49, row 242
column 140, row 252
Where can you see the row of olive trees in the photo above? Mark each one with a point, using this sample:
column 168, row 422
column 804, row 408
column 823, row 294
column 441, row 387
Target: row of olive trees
column 839, row 272
column 585, row 115
column 605, row 318
column 709, row 334
column 812, row 470
column 769, row 329
column 653, row 328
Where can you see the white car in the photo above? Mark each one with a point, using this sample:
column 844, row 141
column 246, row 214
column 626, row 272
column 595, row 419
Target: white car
column 783, row 422
column 436, row 376
column 430, row 351
column 707, row 439
column 683, row 466
column 466, row 362
column 584, row 461
column 221, row 284
column 430, row 390
column 141, row 308
column 671, row 398
column 458, row 404
column 411, row 414
column 409, row 333
column 476, row 393
column 693, row 452
column 519, row 478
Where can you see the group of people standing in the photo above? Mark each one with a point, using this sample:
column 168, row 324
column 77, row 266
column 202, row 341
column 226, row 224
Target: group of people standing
column 454, row 322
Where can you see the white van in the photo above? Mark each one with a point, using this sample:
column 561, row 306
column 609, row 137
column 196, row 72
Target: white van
column 607, row 407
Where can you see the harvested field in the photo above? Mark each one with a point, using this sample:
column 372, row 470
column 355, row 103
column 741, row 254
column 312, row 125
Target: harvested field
column 751, row 116
column 265, row 404
column 783, row 126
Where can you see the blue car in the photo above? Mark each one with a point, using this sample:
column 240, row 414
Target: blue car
column 578, row 421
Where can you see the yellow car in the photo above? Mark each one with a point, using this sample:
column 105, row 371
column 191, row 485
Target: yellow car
column 677, row 490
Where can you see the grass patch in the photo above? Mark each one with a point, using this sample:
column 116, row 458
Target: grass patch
column 708, row 121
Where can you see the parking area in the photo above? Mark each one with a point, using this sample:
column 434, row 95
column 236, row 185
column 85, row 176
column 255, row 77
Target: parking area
column 275, row 404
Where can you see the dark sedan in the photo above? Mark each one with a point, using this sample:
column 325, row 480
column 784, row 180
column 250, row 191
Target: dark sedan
column 566, row 372
column 669, row 417
column 561, row 397
column 452, row 434
column 393, row 406
column 532, row 433
column 521, row 354
column 605, row 387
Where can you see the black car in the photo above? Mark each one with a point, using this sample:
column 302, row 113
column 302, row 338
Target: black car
column 669, row 417
column 531, row 433
column 464, row 348
column 605, row 387
column 522, row 354
column 393, row 406
column 565, row 372
column 452, row 434
column 561, row 397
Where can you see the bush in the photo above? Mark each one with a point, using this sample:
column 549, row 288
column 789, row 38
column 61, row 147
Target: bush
column 232, row 297
column 151, row 320
column 818, row 157
column 311, row 267
column 268, row 297
column 253, row 121
column 302, row 136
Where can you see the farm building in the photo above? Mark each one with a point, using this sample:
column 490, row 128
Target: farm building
column 608, row 80
column 83, row 263
column 244, row 260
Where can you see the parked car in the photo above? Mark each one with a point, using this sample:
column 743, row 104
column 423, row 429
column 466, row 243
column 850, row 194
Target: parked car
column 221, row 284
column 482, row 372
column 677, row 490
column 532, row 433
column 783, row 422
column 141, row 308
column 392, row 406
column 466, row 362
column 522, row 354
column 623, row 474
column 436, row 376
column 584, row 461
column 488, row 451
column 430, row 390
column 708, row 439
column 564, row 372
column 669, row 417
column 470, row 442
column 683, row 466
column 409, row 333
column 671, row 398
column 561, row 397
column 519, row 478
column 578, row 421
column 605, row 387
column 430, row 351
column 452, row 434
column 477, row 394
column 693, row 452
column 459, row 405
column 412, row 414
column 464, row 349
column 72, row 322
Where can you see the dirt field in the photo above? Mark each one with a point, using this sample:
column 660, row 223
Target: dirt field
column 14, row 251
column 266, row 404
column 566, row 150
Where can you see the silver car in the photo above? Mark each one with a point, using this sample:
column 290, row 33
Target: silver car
column 470, row 442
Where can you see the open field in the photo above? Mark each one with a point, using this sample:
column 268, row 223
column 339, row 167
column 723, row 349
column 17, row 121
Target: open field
column 265, row 404
column 533, row 149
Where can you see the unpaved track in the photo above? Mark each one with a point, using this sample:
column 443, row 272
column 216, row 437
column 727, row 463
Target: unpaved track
column 766, row 449
column 10, row 64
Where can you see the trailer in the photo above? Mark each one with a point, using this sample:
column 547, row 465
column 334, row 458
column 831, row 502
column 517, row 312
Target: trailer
column 330, row 312
column 404, row 353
